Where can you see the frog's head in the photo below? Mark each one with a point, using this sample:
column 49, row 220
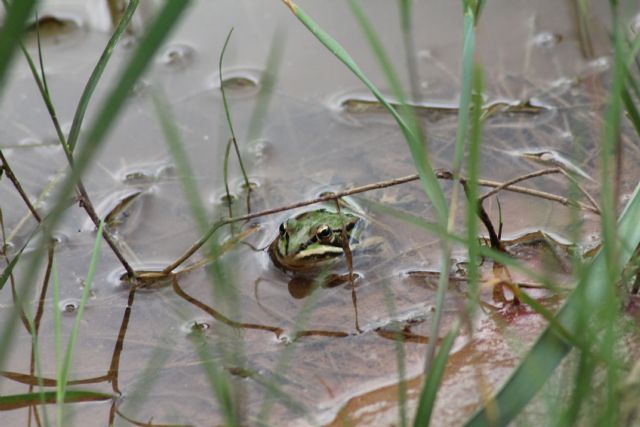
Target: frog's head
column 313, row 239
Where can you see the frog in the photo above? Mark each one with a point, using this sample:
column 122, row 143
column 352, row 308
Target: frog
column 315, row 240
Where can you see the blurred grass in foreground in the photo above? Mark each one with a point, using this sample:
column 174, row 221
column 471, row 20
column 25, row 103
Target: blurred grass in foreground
column 589, row 320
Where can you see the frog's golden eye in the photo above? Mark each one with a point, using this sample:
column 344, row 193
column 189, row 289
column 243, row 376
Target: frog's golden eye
column 283, row 230
column 324, row 233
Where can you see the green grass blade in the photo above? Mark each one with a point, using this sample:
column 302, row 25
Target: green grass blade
column 472, row 189
column 158, row 31
column 631, row 109
column 17, row 14
column 57, row 330
column 434, row 376
column 63, row 374
column 217, row 378
column 429, row 391
column 413, row 134
column 96, row 74
column 427, row 175
column 6, row 273
column 234, row 139
column 219, row 384
column 43, row 75
column 468, row 50
column 551, row 347
column 150, row 43
column 267, row 84
column 594, row 292
column 137, row 394
column 179, row 155
column 399, row 344
column 410, row 51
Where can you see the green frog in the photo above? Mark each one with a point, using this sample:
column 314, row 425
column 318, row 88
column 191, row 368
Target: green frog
column 313, row 240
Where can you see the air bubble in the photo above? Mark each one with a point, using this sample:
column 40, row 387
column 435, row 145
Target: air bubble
column 196, row 326
column 69, row 306
column 177, row 56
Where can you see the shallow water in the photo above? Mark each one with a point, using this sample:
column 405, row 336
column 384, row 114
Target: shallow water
column 336, row 346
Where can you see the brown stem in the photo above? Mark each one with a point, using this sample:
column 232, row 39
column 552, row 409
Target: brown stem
column 9, row 172
column 88, row 207
column 486, row 220
column 84, row 197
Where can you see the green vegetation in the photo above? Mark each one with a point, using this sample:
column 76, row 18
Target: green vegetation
column 589, row 323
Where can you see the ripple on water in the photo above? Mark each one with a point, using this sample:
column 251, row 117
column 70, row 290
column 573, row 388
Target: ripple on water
column 238, row 82
column 55, row 29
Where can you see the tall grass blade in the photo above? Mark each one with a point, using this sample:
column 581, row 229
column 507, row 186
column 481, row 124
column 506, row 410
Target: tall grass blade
column 427, row 175
column 63, row 374
column 179, row 154
column 6, row 273
column 410, row 50
column 595, row 286
column 167, row 17
column 138, row 393
column 551, row 347
column 217, row 378
column 57, row 331
column 267, row 83
column 429, row 391
column 399, row 344
column 17, row 14
column 434, row 375
column 219, row 384
column 468, row 50
column 415, row 137
column 96, row 74
column 234, row 139
column 472, row 187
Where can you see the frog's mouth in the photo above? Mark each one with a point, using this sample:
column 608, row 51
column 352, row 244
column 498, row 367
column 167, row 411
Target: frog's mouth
column 319, row 252
column 311, row 258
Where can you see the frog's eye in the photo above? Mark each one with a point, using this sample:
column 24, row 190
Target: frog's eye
column 324, row 233
column 283, row 230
